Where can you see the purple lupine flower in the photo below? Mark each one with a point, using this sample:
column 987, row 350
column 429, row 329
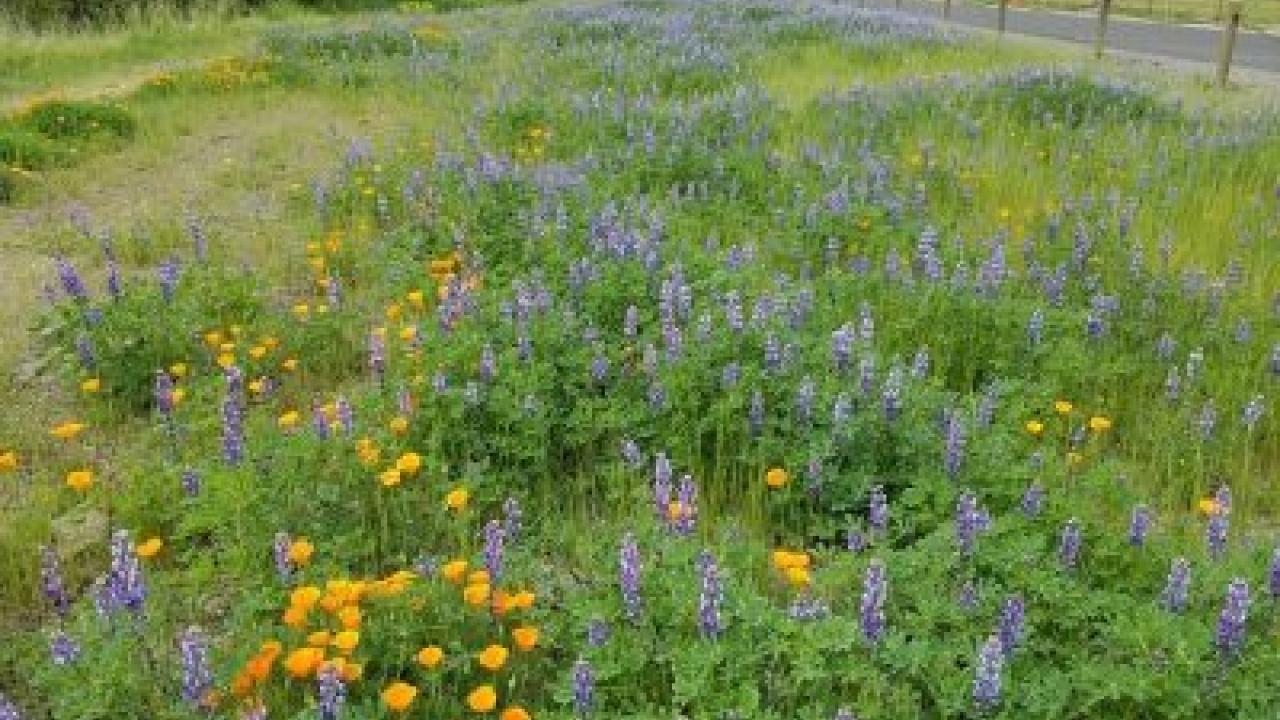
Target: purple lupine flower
column 866, row 323
column 125, row 587
column 855, row 541
column 333, row 290
column 755, row 414
column 687, row 498
column 331, row 692
column 1233, row 621
column 842, row 347
column 512, row 520
column 114, row 286
column 584, row 688
column 493, row 548
column 1069, row 545
column 280, row 553
column 72, row 283
column 163, row 393
column 954, row 441
column 377, row 355
column 970, row 519
column 986, row 680
column 772, row 354
column 319, row 420
column 866, row 375
column 1216, row 532
column 1035, row 327
column 1012, row 624
column 987, row 406
column 1273, row 576
column 1252, row 412
column 710, row 623
column 86, row 353
column 598, row 632
column 599, row 369
column 631, row 322
column 1166, row 346
column 1174, row 597
column 875, row 591
column 805, row 396
column 190, row 482
column 1139, row 525
column 346, row 416
column 199, row 238
column 1222, row 496
column 920, row 363
column 1243, row 332
column 657, row 397
column 662, row 486
column 1173, row 384
column 841, row 409
column 168, row 274
column 51, row 580
column 892, row 394
column 1033, row 500
column 1208, row 419
column 878, row 511
column 232, row 431
column 631, row 454
column 730, row 375
column 629, row 569
column 197, row 679
column 63, row 649
column 968, row 596
column 8, row 711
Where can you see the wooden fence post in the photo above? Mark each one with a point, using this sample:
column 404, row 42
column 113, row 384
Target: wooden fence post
column 1228, row 41
column 1100, row 42
column 946, row 9
column 1000, row 18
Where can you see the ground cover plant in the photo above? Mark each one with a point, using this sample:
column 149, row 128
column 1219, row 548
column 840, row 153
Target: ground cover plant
column 654, row 378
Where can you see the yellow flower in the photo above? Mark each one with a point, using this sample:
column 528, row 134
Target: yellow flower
column 350, row 617
column 351, row 672
column 493, row 658
column 90, row 386
column 515, row 712
column 303, row 662
column 416, row 299
column 289, row 365
column 457, row 499
column 305, row 597
column 320, row 638
column 430, row 657
column 797, row 577
column 476, row 595
column 1209, row 506
column 454, row 570
column 80, row 480
column 1034, row 427
column 67, row 430
column 289, row 420
column 257, row 352
column 301, row 311
column 523, row 599
column 785, row 560
column 226, row 360
column 409, row 463
column 776, row 478
column 295, row 616
column 346, row 641
column 270, row 342
column 149, row 548
column 1099, row 423
column 408, row 333
column 483, row 699
column 213, row 338
column 8, row 461
column 478, row 576
column 1074, row 458
column 526, row 638
column 399, row 425
column 1062, row 407
column 178, row 395
column 300, row 551
column 399, row 696
column 389, row 477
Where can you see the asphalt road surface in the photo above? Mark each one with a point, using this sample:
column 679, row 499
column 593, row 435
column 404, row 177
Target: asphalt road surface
column 1254, row 50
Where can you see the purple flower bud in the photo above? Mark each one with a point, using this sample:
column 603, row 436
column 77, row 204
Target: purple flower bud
column 168, row 275
column 986, row 681
column 280, row 553
column 493, row 550
column 331, row 692
column 710, row 623
column 1069, row 545
column 878, row 511
column 63, row 649
column 197, row 679
column 1273, row 576
column 875, row 591
column 1174, row 597
column 232, row 431
column 1253, row 412
column 1035, row 327
column 512, row 520
column 1233, row 621
column 968, row 596
column 1216, row 532
column 597, row 632
column 1139, row 525
column 755, row 414
column 970, row 519
column 8, row 711
column 855, row 541
column 190, row 483
column 584, row 684
column 51, row 580
column 72, row 284
column 1012, row 624
column 1033, row 500
column 629, row 569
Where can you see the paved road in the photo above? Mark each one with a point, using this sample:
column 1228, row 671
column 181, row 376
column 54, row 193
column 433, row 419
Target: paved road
column 1255, row 50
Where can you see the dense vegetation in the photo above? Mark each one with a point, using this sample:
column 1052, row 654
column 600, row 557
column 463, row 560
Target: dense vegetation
column 659, row 386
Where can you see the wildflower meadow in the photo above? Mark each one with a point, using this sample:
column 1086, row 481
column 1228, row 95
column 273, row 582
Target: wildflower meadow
column 646, row 359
